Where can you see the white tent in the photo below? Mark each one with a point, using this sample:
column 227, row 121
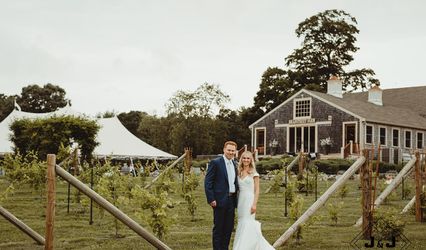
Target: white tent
column 114, row 139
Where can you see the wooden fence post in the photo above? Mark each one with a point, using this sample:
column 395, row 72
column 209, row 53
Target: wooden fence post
column 419, row 185
column 366, row 195
column 50, row 209
column 188, row 161
column 301, row 166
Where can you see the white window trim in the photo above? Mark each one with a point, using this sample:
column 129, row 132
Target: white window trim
column 411, row 138
column 264, row 138
column 399, row 137
column 344, row 132
column 423, row 139
column 372, row 134
column 294, row 107
column 386, row 136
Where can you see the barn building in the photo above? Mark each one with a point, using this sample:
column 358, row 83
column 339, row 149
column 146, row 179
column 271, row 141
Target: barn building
column 345, row 123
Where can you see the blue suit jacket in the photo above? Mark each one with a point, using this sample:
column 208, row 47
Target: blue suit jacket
column 216, row 183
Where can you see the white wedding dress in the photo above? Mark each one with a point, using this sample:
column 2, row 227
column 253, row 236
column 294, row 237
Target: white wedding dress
column 248, row 235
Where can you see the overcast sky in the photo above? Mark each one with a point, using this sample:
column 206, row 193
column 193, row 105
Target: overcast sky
column 134, row 55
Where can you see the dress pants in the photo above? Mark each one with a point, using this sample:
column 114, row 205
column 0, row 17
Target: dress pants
column 223, row 224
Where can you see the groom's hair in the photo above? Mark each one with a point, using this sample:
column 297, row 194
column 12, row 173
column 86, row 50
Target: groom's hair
column 230, row 143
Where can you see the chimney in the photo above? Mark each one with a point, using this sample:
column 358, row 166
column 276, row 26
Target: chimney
column 334, row 87
column 375, row 96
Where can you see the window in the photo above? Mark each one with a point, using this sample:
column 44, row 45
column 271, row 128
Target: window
column 303, row 108
column 369, row 134
column 395, row 137
column 419, row 140
column 408, row 139
column 382, row 136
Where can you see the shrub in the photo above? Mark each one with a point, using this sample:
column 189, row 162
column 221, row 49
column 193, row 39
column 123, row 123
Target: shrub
column 387, row 224
column 200, row 164
column 270, row 164
column 331, row 166
column 334, row 210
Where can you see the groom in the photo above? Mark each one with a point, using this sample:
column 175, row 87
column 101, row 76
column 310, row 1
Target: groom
column 221, row 188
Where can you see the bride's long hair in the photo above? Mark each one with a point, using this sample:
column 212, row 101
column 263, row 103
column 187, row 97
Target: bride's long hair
column 252, row 167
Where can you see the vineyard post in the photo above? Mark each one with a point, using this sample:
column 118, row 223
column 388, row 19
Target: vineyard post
column 285, row 193
column 68, row 193
column 316, row 183
column 419, row 185
column 366, row 195
column 50, row 209
column 91, row 200
column 307, row 180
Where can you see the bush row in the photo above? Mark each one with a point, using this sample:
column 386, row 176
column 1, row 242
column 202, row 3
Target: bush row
column 329, row 166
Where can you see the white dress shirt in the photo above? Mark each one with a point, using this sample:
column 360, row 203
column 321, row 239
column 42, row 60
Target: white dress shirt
column 230, row 170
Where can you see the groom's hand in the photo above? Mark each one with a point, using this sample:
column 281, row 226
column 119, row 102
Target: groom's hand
column 213, row 204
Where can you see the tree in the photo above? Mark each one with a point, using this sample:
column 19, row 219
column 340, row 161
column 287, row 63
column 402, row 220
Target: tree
column 45, row 136
column 275, row 88
column 192, row 115
column 328, row 46
column 229, row 125
column 202, row 102
column 106, row 114
column 132, row 120
column 6, row 106
column 156, row 131
column 44, row 99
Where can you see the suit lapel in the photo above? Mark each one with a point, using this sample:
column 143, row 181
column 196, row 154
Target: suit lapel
column 223, row 163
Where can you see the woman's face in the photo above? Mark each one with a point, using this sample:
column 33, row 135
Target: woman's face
column 246, row 160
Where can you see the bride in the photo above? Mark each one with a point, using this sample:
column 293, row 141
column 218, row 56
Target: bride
column 248, row 235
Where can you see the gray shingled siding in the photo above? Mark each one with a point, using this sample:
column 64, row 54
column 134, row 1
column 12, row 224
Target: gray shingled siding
column 389, row 155
column 375, row 116
column 320, row 111
column 282, row 114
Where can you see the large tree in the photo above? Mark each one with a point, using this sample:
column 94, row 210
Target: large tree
column 204, row 101
column 192, row 113
column 44, row 99
column 275, row 88
column 6, row 105
column 132, row 120
column 327, row 48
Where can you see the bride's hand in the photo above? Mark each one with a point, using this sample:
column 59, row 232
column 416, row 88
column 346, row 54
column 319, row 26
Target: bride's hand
column 253, row 209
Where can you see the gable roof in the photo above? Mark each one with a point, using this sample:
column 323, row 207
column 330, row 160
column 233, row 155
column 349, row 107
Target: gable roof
column 404, row 107
column 386, row 114
column 413, row 98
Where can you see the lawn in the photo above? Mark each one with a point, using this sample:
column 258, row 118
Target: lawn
column 72, row 231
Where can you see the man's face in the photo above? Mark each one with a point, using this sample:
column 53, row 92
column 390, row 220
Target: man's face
column 229, row 151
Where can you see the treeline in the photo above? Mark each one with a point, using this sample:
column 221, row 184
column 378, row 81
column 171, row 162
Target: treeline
column 196, row 119
column 172, row 133
column 191, row 122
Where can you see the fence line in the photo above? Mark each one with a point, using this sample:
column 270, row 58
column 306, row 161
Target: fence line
column 117, row 213
column 22, row 226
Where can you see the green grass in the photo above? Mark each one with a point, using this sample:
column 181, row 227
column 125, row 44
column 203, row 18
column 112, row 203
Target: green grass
column 72, row 231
